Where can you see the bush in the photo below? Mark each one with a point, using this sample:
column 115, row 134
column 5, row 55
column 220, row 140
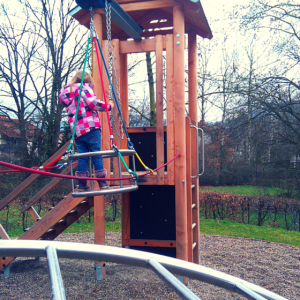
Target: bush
column 258, row 210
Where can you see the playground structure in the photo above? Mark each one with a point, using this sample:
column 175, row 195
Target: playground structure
column 162, row 216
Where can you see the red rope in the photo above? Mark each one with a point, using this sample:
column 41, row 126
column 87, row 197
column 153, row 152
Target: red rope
column 32, row 171
column 104, row 95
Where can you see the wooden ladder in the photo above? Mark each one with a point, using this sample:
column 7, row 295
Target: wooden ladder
column 192, row 184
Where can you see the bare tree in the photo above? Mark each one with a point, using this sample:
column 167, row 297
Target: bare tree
column 42, row 46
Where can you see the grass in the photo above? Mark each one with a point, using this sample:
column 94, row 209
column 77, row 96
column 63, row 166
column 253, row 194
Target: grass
column 231, row 228
column 245, row 190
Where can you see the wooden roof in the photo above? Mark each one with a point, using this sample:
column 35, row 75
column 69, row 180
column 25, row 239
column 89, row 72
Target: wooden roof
column 155, row 17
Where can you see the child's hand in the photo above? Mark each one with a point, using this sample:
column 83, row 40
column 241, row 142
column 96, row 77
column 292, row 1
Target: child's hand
column 111, row 104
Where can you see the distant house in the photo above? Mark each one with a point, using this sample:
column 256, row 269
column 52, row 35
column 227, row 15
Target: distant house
column 10, row 136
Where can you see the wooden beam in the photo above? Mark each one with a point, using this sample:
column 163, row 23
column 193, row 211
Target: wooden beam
column 3, row 233
column 24, row 185
column 170, row 106
column 116, row 83
column 125, row 217
column 193, row 114
column 145, row 45
column 159, row 109
column 124, row 100
column 150, row 243
column 180, row 140
column 143, row 129
column 33, row 213
column 44, row 190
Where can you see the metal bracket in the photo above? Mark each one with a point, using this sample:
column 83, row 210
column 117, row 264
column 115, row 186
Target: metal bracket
column 99, row 272
column 7, row 271
column 202, row 144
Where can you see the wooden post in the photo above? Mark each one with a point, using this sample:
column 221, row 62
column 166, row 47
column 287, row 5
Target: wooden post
column 170, row 106
column 99, row 201
column 124, row 100
column 180, row 140
column 125, row 198
column 193, row 114
column 159, row 110
column 116, row 57
column 189, row 189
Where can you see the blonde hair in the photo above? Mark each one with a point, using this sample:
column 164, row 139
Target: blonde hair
column 77, row 79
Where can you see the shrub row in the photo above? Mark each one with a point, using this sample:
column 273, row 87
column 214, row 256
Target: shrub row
column 258, row 210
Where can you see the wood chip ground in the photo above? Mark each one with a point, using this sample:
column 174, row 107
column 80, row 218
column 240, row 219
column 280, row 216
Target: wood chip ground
column 270, row 265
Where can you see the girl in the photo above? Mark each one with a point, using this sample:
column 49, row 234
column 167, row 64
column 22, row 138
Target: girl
column 88, row 127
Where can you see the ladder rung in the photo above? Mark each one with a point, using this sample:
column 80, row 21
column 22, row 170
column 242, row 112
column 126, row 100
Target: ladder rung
column 193, row 186
column 72, row 211
column 194, row 245
column 193, row 206
column 83, row 202
column 50, row 230
column 194, row 225
column 61, row 221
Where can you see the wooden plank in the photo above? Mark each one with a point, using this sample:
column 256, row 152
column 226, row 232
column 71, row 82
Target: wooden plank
column 189, row 189
column 180, row 140
column 124, row 99
column 159, row 109
column 150, row 243
column 170, row 107
column 193, row 114
column 145, row 45
column 34, row 214
column 44, row 190
column 3, row 233
column 19, row 189
column 125, row 217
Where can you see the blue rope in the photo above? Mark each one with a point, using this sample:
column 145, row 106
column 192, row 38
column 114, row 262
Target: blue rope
column 129, row 143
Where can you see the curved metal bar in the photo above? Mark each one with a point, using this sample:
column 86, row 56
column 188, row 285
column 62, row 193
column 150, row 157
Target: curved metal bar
column 202, row 144
column 105, row 154
column 110, row 190
column 58, row 289
column 171, row 280
column 24, row 248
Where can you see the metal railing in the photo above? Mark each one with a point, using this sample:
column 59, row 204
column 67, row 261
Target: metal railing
column 161, row 265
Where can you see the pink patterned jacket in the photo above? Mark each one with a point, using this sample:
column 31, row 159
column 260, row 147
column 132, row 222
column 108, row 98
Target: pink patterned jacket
column 87, row 119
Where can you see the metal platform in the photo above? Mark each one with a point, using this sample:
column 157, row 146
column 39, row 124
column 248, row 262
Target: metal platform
column 110, row 190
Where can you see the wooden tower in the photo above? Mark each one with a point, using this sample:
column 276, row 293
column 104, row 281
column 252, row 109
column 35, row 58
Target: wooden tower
column 163, row 215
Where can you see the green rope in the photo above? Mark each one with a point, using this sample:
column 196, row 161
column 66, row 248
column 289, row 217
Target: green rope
column 79, row 96
column 128, row 170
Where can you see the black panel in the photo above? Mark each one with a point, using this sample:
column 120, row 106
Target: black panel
column 171, row 252
column 145, row 145
column 152, row 213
